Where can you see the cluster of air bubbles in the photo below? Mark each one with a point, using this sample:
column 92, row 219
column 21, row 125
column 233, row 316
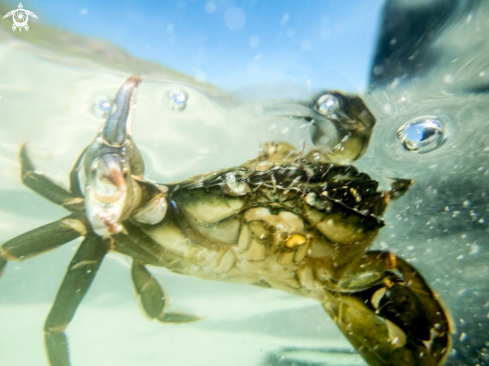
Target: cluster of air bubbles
column 178, row 99
column 327, row 104
column 103, row 106
column 422, row 135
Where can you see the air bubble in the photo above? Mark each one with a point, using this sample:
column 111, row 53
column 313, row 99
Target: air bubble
column 178, row 99
column 103, row 106
column 235, row 18
column 422, row 135
column 463, row 337
column 210, row 7
column 327, row 104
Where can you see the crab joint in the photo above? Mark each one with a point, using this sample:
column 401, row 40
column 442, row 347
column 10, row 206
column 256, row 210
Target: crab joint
column 153, row 212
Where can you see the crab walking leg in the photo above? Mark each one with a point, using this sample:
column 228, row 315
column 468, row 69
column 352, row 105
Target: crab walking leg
column 144, row 250
column 397, row 320
column 42, row 239
column 3, row 263
column 129, row 246
column 138, row 245
column 149, row 291
column 75, row 188
column 75, row 285
column 152, row 296
column 47, row 187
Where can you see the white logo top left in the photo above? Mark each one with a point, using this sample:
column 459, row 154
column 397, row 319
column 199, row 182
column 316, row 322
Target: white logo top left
column 20, row 17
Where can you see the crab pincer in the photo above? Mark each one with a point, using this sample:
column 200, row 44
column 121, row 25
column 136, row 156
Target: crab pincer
column 110, row 162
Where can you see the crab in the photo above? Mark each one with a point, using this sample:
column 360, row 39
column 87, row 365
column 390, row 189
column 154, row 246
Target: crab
column 285, row 220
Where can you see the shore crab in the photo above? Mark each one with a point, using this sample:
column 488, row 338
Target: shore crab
column 289, row 221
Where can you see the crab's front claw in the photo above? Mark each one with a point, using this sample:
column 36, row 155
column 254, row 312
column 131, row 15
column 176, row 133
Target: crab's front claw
column 340, row 125
column 390, row 315
column 111, row 161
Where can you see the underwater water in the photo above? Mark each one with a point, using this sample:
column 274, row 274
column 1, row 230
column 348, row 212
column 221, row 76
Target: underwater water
column 219, row 79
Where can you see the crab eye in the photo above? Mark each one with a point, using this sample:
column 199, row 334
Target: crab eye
column 234, row 186
column 108, row 183
column 328, row 104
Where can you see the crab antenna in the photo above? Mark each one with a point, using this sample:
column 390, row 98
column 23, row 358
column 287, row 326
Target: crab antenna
column 117, row 129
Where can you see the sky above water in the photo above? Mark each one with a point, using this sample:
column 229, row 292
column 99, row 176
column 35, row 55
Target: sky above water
column 234, row 44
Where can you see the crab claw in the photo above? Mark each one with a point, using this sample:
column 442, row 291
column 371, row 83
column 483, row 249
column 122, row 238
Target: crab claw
column 340, row 124
column 117, row 130
column 110, row 162
column 343, row 126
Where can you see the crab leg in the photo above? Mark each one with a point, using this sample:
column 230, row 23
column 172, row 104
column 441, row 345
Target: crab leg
column 144, row 250
column 140, row 246
column 131, row 247
column 46, row 187
column 150, row 292
column 75, row 285
column 152, row 296
column 3, row 263
column 396, row 320
column 42, row 239
column 75, row 188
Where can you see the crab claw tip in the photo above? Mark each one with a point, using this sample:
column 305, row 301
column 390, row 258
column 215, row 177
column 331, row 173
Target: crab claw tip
column 135, row 78
column 117, row 128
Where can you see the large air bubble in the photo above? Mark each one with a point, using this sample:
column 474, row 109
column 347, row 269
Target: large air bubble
column 422, row 135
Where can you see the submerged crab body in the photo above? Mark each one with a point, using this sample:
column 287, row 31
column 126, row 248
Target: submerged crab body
column 283, row 221
column 269, row 232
